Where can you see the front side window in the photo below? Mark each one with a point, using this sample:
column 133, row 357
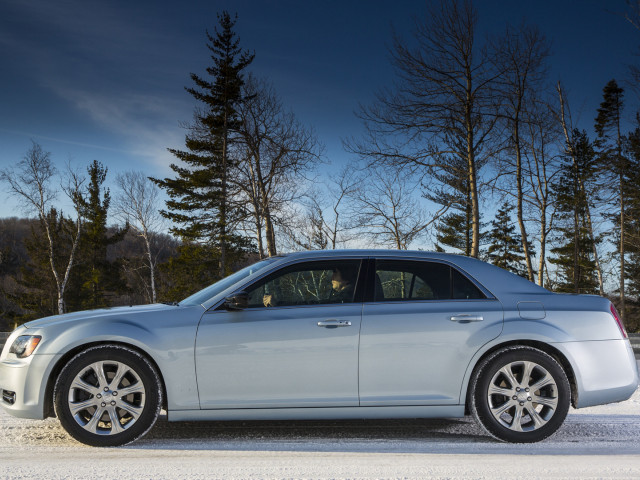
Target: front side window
column 402, row 280
column 309, row 283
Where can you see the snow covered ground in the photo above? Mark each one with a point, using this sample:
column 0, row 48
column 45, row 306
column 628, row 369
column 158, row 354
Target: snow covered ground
column 597, row 442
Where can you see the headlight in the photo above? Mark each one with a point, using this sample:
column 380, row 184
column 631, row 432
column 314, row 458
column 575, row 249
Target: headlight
column 24, row 345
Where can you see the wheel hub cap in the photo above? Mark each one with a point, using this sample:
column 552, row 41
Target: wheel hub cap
column 106, row 398
column 522, row 396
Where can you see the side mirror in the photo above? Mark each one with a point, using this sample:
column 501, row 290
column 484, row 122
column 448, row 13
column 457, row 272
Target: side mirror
column 237, row 301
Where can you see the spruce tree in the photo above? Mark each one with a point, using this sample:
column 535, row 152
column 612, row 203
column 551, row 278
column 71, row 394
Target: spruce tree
column 632, row 211
column 38, row 295
column 505, row 249
column 96, row 275
column 199, row 203
column 454, row 229
column 607, row 126
column 574, row 250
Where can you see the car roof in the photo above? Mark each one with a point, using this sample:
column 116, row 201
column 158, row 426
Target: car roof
column 369, row 252
column 498, row 281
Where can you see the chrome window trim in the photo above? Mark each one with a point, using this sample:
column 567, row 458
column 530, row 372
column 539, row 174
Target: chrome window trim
column 284, row 307
column 412, row 302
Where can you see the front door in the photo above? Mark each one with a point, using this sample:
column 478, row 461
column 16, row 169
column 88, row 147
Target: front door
column 425, row 323
column 296, row 345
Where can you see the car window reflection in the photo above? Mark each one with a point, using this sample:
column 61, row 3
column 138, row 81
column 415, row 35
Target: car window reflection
column 311, row 283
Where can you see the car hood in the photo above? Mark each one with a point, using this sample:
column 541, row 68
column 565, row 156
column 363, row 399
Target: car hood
column 103, row 312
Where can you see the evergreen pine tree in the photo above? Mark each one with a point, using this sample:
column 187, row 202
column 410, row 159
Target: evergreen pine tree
column 632, row 211
column 574, row 252
column 38, row 295
column 505, row 249
column 454, row 229
column 607, row 126
column 96, row 276
column 199, row 203
column 187, row 272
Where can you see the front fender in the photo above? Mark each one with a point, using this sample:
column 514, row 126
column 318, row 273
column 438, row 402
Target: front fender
column 167, row 338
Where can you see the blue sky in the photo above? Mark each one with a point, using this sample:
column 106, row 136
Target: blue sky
column 105, row 80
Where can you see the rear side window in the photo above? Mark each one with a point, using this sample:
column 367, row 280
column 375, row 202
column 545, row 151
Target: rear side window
column 402, row 280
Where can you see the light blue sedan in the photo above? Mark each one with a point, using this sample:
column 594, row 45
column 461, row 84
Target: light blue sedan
column 327, row 335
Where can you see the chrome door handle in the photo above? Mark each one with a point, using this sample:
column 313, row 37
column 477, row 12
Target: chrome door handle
column 334, row 323
column 463, row 318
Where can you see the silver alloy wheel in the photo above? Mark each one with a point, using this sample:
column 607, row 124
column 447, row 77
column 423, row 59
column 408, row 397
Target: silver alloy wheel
column 106, row 398
column 522, row 396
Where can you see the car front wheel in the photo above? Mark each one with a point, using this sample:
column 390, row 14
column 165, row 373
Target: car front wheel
column 108, row 395
column 520, row 394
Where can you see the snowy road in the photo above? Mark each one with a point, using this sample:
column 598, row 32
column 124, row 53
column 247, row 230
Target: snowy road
column 599, row 442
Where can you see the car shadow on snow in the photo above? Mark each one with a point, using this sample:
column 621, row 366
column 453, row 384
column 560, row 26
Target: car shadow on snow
column 580, row 435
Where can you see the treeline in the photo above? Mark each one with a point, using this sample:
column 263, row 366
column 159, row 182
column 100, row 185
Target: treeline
column 57, row 263
column 472, row 150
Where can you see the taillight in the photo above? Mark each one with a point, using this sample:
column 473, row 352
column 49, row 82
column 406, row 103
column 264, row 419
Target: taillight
column 614, row 312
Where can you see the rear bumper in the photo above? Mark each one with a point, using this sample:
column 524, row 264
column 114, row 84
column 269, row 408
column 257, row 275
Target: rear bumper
column 26, row 378
column 606, row 371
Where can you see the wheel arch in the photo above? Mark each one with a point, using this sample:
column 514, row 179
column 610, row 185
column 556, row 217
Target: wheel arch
column 545, row 347
column 62, row 362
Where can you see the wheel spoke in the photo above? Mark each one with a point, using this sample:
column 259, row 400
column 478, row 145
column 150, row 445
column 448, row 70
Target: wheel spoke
column 546, row 401
column 502, row 408
column 92, row 425
column 131, row 409
column 516, row 424
column 98, row 368
column 79, row 384
column 79, row 406
column 115, row 381
column 526, row 373
column 543, row 382
column 496, row 390
column 535, row 416
column 116, row 426
column 135, row 388
column 506, row 371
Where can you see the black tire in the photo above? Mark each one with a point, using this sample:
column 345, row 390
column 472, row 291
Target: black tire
column 523, row 420
column 99, row 430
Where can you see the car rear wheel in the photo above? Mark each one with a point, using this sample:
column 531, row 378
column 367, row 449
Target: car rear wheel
column 108, row 395
column 520, row 394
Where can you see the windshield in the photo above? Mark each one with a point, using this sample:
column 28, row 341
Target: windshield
column 211, row 291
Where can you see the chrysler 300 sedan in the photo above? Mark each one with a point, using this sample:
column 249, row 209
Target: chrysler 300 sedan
column 327, row 335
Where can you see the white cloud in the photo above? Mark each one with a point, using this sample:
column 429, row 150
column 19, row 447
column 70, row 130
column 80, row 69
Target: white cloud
column 148, row 123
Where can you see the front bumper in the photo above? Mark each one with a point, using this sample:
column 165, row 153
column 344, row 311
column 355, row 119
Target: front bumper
column 606, row 371
column 27, row 378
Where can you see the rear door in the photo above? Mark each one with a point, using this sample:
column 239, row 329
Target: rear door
column 420, row 329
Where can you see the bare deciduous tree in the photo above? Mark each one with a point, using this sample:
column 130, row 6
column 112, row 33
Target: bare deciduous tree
column 277, row 152
column 307, row 229
column 540, row 170
column 138, row 204
column 328, row 207
column 442, row 104
column 521, row 55
column 387, row 212
column 31, row 181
